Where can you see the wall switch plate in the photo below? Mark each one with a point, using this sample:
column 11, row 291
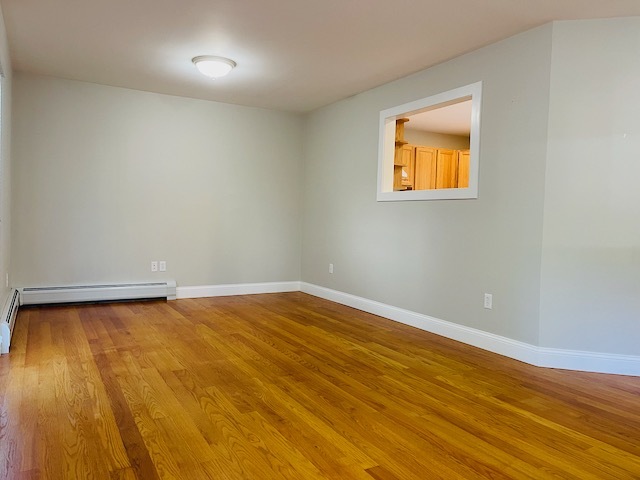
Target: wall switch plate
column 7, row 281
column 488, row 301
column 331, row 268
column 162, row 265
column 154, row 266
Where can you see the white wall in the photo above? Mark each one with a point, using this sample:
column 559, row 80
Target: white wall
column 432, row 139
column 108, row 179
column 438, row 257
column 590, row 295
column 5, row 165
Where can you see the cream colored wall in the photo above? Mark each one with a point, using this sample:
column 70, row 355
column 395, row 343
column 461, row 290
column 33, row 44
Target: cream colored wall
column 590, row 295
column 438, row 257
column 109, row 179
column 5, row 165
column 440, row 140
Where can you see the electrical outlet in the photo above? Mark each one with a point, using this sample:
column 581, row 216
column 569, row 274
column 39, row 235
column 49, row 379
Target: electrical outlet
column 488, row 301
column 163, row 265
column 331, row 268
column 154, row 266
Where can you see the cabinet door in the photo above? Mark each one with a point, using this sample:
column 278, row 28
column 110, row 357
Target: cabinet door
column 463, row 168
column 425, row 168
column 447, row 168
column 408, row 164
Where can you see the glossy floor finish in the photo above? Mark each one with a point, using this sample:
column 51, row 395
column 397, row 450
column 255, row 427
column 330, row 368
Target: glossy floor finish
column 289, row 386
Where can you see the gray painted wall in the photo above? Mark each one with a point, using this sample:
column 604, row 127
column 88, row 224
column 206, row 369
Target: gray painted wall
column 438, row 257
column 109, row 179
column 590, row 296
column 5, row 165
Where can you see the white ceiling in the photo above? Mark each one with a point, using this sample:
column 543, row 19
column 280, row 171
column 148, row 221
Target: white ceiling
column 451, row 120
column 292, row 54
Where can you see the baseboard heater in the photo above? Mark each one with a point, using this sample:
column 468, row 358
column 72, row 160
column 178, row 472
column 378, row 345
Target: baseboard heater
column 8, row 320
column 97, row 293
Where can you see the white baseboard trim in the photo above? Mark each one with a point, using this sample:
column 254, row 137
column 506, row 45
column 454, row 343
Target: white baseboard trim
column 8, row 320
column 236, row 289
column 97, row 293
column 589, row 361
column 531, row 354
column 538, row 356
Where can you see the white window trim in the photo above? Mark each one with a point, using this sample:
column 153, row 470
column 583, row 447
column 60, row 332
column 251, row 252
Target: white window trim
column 386, row 146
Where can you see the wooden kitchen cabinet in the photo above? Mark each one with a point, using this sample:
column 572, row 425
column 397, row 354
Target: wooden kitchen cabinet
column 399, row 161
column 440, row 168
column 419, row 167
column 408, row 166
column 447, row 168
column 425, row 168
column 463, row 168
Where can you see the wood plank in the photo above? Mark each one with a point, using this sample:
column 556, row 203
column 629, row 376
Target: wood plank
column 289, row 386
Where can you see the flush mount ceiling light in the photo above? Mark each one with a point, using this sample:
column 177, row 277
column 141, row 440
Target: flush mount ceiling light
column 214, row 67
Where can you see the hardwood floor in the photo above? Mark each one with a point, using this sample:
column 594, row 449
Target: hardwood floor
column 289, row 386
